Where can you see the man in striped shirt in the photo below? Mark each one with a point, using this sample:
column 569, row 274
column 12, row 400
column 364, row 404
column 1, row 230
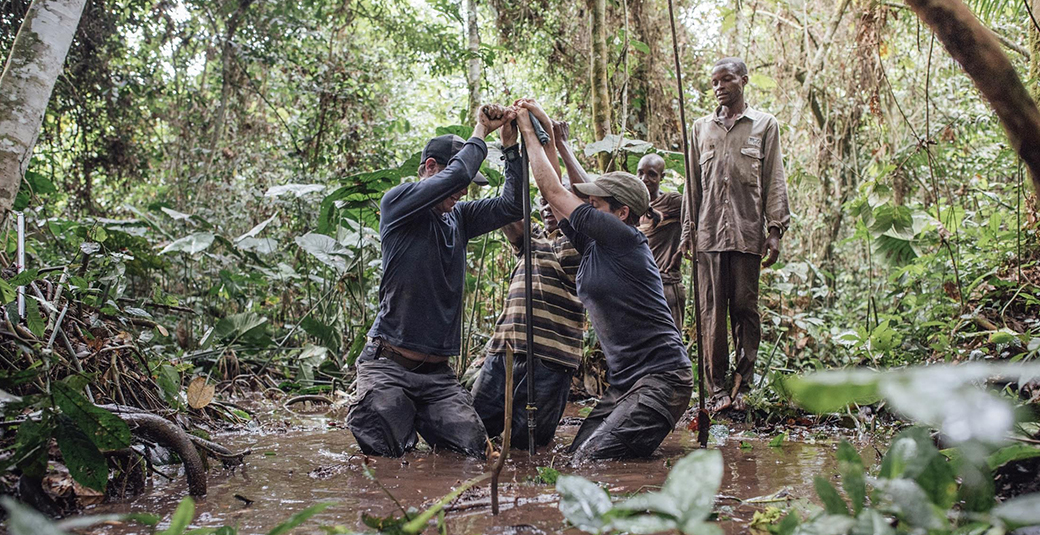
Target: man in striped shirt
column 559, row 324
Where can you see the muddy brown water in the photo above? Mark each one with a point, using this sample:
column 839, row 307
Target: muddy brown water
column 299, row 460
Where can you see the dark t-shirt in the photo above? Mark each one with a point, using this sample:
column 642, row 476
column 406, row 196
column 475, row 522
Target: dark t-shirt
column 620, row 285
column 424, row 253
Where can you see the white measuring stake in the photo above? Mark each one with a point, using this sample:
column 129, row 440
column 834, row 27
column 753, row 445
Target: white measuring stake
column 21, row 263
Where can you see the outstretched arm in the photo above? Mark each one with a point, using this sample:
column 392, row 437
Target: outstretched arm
column 563, row 202
column 547, row 123
column 575, row 172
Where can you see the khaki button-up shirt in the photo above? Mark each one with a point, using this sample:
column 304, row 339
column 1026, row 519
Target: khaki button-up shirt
column 739, row 190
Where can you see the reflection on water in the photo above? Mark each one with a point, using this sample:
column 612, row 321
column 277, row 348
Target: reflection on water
column 315, row 460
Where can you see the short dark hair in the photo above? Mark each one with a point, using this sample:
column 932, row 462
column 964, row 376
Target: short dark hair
column 737, row 65
column 633, row 217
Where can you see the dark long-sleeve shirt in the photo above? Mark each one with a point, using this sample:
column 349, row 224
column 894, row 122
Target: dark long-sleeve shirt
column 620, row 286
column 424, row 253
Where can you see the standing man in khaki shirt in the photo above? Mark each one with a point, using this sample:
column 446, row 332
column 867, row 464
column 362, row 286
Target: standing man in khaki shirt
column 663, row 239
column 736, row 209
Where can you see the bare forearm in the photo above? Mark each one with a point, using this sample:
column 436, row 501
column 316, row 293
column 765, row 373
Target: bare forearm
column 574, row 170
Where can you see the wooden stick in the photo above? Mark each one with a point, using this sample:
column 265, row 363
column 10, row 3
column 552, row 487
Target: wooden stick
column 501, row 461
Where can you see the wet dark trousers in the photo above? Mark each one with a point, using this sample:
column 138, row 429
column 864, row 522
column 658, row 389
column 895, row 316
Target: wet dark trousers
column 552, row 384
column 729, row 290
column 393, row 404
column 634, row 422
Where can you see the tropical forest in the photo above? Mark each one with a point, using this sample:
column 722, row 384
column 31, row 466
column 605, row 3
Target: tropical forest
column 264, row 267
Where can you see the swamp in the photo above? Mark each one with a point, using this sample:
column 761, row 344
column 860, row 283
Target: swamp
column 197, row 270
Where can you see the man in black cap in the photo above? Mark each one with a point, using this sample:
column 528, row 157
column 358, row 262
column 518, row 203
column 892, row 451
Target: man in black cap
column 404, row 384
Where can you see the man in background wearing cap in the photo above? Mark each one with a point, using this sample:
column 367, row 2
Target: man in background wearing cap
column 738, row 194
column 404, row 384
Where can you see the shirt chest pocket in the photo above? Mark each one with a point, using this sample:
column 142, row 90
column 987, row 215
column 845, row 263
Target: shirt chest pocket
column 750, row 165
column 707, row 162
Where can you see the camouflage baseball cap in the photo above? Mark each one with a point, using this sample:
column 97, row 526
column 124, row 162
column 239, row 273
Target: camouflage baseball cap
column 624, row 187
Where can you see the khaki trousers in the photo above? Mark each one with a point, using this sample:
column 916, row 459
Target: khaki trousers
column 729, row 290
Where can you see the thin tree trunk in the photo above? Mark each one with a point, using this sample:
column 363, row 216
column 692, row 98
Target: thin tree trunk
column 33, row 65
column 1034, row 47
column 473, row 65
column 818, row 59
column 978, row 51
column 227, row 57
column 598, row 74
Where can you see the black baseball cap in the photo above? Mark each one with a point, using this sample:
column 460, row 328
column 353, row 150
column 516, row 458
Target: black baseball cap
column 443, row 148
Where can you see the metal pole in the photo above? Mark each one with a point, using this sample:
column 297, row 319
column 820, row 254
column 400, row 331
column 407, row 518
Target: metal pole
column 703, row 419
column 528, row 305
column 21, row 263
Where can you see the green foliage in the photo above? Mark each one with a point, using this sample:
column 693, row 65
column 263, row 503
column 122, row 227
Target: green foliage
column 85, row 462
column 547, row 475
column 104, row 429
column 918, row 486
column 684, row 502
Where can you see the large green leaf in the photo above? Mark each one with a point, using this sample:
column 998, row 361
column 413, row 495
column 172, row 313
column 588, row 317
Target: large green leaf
column 191, row 244
column 298, row 190
column 24, row 520
column 106, row 430
column 181, row 518
column 85, row 462
column 1014, row 452
column 832, row 501
column 643, row 524
column 1020, row 511
column 943, row 396
column 329, row 336
column 583, row 503
column 831, row 391
column 853, row 475
column 7, row 292
column 299, row 518
column 326, row 250
column 244, row 325
column 688, row 492
column 31, row 447
column 871, row 522
column 253, row 232
column 912, row 503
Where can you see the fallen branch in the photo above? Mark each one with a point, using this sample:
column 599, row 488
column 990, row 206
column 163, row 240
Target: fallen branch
column 417, row 524
column 168, row 434
column 220, row 453
column 508, row 432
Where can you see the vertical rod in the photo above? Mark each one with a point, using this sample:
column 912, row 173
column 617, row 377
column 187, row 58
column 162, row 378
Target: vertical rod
column 21, row 263
column 703, row 419
column 528, row 305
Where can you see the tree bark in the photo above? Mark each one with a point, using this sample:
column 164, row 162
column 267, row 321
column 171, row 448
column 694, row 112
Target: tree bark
column 1034, row 47
column 33, row 65
column 598, row 74
column 473, row 64
column 978, row 51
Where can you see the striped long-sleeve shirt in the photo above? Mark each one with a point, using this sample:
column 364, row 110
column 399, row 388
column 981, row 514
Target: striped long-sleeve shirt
column 559, row 317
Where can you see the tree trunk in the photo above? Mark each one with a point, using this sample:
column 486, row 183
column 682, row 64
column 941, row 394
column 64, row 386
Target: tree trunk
column 227, row 62
column 598, row 74
column 978, row 51
column 33, row 65
column 473, row 65
column 1034, row 48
